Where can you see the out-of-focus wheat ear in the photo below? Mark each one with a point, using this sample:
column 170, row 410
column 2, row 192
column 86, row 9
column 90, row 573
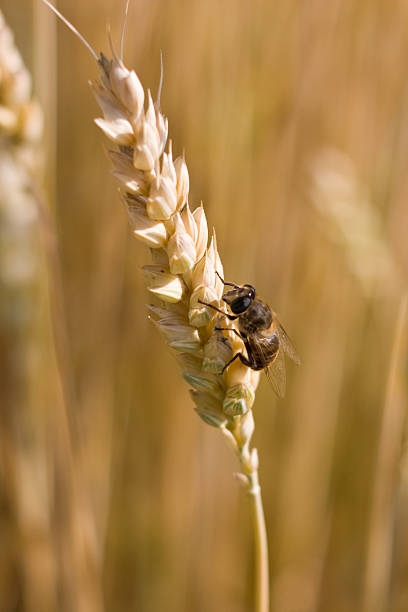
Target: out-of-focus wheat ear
column 352, row 221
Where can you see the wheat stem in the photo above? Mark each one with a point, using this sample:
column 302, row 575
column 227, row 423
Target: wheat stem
column 260, row 545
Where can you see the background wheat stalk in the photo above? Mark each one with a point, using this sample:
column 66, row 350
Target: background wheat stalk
column 185, row 272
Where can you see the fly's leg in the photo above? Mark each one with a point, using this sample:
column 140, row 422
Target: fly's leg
column 230, row 317
column 249, row 361
column 250, row 354
column 223, row 281
column 239, row 356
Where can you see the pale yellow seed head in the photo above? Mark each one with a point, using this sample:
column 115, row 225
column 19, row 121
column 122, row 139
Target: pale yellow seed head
column 162, row 130
column 200, row 315
column 189, row 223
column 181, row 248
column 162, row 201
column 133, row 180
column 166, row 286
column 183, row 181
column 202, row 231
column 241, row 385
column 127, row 87
column 180, row 337
column 115, row 124
column 209, row 409
column 168, row 170
column 118, row 130
column 201, row 381
column 238, row 400
column 150, row 134
column 217, row 352
column 204, row 273
column 146, row 146
column 152, row 233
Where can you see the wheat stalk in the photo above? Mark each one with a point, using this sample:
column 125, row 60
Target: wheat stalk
column 184, row 272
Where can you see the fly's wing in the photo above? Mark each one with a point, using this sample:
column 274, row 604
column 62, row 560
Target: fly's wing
column 276, row 374
column 286, row 343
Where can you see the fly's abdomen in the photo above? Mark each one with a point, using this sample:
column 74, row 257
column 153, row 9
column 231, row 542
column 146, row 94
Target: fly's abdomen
column 263, row 349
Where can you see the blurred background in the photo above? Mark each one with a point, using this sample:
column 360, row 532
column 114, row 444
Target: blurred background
column 113, row 494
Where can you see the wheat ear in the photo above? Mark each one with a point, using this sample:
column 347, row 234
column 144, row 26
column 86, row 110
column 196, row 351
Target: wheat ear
column 184, row 272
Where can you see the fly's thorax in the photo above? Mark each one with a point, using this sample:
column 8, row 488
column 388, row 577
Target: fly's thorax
column 256, row 318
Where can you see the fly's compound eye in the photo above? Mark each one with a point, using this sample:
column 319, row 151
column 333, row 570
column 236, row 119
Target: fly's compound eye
column 239, row 305
column 251, row 291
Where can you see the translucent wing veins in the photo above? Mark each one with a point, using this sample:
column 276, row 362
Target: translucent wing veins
column 287, row 344
column 275, row 371
column 276, row 374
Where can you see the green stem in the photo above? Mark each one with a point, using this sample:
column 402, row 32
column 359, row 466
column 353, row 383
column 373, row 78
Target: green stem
column 260, row 546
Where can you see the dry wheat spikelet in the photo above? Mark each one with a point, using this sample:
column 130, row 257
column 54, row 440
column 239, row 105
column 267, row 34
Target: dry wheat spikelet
column 155, row 187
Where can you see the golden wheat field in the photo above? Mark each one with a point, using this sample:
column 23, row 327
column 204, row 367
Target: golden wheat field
column 114, row 495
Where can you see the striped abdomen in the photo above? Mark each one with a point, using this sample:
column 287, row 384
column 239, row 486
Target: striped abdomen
column 262, row 349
